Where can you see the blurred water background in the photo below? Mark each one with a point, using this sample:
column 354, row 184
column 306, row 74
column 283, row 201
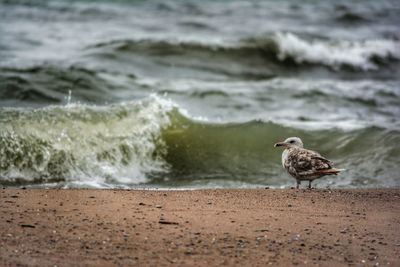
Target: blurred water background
column 193, row 94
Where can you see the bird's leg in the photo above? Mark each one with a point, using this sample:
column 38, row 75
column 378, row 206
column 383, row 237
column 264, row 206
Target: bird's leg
column 298, row 184
column 309, row 184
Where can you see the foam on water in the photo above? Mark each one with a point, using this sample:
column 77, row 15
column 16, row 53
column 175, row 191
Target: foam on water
column 358, row 54
column 84, row 144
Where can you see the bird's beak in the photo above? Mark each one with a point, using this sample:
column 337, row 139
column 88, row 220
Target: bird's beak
column 280, row 144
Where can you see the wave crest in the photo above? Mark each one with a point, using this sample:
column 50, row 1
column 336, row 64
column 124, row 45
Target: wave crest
column 260, row 57
column 81, row 144
column 358, row 54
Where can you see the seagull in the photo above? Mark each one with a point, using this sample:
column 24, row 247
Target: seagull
column 304, row 164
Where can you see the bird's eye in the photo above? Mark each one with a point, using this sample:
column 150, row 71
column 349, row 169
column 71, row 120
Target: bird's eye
column 292, row 142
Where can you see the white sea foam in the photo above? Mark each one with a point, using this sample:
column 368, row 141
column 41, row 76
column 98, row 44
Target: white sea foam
column 82, row 144
column 358, row 54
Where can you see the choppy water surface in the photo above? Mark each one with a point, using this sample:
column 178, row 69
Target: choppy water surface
column 195, row 93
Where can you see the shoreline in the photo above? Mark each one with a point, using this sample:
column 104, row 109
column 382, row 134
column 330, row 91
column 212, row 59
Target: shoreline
column 231, row 227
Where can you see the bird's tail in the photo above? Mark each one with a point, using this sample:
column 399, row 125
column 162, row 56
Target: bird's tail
column 332, row 171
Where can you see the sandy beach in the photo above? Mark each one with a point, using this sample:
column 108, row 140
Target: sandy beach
column 200, row 228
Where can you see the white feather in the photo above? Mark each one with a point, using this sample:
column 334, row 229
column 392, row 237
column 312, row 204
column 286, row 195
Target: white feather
column 285, row 154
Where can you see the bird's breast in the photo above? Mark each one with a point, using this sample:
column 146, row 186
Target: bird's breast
column 285, row 155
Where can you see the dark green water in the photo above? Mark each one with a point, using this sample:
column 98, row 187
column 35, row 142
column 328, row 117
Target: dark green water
column 195, row 94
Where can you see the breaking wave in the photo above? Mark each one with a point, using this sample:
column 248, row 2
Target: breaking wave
column 153, row 143
column 364, row 55
column 280, row 50
column 80, row 144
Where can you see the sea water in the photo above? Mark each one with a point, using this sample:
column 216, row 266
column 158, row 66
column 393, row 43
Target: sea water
column 194, row 94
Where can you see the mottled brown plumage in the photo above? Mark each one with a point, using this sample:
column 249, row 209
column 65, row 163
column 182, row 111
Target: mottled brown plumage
column 304, row 164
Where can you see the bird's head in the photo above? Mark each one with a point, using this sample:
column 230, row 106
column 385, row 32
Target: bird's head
column 290, row 142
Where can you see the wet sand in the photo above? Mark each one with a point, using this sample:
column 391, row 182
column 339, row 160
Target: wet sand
column 200, row 228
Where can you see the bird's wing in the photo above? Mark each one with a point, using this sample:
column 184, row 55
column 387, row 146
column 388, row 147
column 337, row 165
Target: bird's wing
column 304, row 162
column 322, row 159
